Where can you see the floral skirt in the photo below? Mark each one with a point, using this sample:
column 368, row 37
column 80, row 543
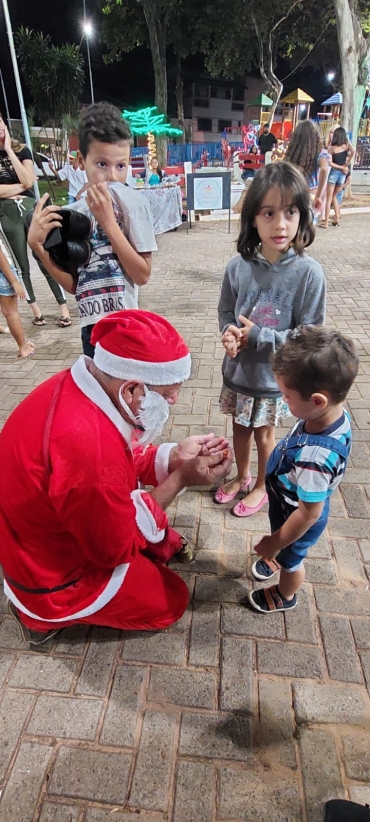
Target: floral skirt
column 254, row 411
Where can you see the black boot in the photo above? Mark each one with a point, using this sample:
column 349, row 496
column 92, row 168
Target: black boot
column 35, row 638
column 339, row 810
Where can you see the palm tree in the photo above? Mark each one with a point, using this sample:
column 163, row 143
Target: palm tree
column 54, row 76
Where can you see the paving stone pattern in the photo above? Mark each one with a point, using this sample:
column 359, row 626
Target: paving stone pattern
column 227, row 715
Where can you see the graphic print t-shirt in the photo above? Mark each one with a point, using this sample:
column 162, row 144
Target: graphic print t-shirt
column 8, row 174
column 103, row 285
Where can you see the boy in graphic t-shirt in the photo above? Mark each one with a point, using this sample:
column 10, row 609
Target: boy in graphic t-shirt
column 122, row 236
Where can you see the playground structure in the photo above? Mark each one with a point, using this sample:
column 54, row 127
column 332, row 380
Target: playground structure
column 293, row 105
column 233, row 152
column 263, row 103
column 332, row 107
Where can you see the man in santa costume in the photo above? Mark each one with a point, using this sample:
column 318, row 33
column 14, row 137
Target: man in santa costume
column 80, row 541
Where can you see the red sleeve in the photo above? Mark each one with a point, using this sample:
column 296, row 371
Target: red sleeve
column 144, row 462
column 151, row 464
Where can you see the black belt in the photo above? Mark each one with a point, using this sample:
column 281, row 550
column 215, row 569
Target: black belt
column 40, row 590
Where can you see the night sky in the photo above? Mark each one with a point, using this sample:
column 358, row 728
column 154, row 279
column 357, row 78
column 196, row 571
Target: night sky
column 129, row 82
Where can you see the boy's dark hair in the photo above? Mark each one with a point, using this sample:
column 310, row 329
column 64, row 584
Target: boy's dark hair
column 304, row 147
column 339, row 137
column 104, row 123
column 316, row 359
column 294, row 191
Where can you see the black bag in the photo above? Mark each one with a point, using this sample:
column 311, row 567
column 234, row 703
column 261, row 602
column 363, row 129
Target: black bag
column 339, row 810
column 69, row 245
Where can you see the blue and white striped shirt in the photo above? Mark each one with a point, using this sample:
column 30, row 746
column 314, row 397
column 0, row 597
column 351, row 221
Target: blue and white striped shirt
column 316, row 471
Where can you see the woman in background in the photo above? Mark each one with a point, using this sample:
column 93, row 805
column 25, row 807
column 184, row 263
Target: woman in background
column 154, row 173
column 341, row 152
column 17, row 199
column 306, row 150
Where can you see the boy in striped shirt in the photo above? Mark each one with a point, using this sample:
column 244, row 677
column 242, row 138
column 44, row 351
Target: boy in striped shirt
column 314, row 370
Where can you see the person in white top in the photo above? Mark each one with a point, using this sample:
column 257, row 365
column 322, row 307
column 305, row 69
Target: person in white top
column 71, row 171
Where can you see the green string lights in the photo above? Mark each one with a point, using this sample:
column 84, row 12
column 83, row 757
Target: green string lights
column 148, row 122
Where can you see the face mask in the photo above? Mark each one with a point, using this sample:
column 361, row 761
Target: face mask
column 153, row 415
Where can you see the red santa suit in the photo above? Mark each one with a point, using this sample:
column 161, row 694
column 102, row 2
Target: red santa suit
column 73, row 522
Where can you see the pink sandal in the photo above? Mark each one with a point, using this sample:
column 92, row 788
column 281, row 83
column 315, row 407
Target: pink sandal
column 220, row 497
column 241, row 510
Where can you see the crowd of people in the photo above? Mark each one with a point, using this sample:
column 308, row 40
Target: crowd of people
column 327, row 170
column 83, row 437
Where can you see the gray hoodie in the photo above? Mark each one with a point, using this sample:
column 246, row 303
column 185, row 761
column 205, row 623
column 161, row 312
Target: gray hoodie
column 277, row 298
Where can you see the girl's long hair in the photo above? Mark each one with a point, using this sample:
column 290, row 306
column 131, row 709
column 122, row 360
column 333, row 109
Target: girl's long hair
column 304, row 147
column 339, row 137
column 157, row 170
column 294, row 191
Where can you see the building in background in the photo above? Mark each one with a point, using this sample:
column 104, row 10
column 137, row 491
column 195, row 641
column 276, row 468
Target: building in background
column 213, row 105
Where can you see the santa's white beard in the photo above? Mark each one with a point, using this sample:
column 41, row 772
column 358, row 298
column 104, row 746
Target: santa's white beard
column 152, row 417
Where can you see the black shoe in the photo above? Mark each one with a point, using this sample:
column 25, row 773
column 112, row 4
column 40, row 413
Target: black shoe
column 35, row 638
column 340, row 810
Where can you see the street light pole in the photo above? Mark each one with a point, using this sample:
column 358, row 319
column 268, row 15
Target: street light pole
column 6, row 103
column 17, row 78
column 87, row 31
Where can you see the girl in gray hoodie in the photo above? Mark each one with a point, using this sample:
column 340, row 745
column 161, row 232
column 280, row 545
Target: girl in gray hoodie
column 270, row 288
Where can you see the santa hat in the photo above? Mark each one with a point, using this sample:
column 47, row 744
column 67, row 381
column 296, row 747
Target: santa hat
column 139, row 345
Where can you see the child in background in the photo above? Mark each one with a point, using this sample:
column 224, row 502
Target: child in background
column 122, row 237
column 269, row 288
column 11, row 290
column 71, row 171
column 314, row 371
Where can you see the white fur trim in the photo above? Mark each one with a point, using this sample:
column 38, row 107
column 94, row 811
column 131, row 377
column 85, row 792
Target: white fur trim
column 110, row 590
column 151, row 373
column 144, row 518
column 90, row 387
column 162, row 459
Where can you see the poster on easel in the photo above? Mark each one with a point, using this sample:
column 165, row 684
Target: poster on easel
column 208, row 192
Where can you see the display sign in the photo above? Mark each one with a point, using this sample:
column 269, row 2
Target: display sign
column 208, row 192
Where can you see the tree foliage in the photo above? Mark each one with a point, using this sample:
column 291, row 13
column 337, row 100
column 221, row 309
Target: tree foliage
column 54, row 76
column 237, row 39
column 157, row 24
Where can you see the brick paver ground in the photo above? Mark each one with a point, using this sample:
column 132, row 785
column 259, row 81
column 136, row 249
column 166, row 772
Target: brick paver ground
column 228, row 715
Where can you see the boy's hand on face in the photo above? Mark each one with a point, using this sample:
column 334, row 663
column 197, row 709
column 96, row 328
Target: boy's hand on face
column 100, row 204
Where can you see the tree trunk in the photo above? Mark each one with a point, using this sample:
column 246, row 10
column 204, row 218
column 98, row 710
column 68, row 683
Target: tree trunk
column 157, row 30
column 354, row 53
column 266, row 61
column 179, row 92
column 273, row 83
